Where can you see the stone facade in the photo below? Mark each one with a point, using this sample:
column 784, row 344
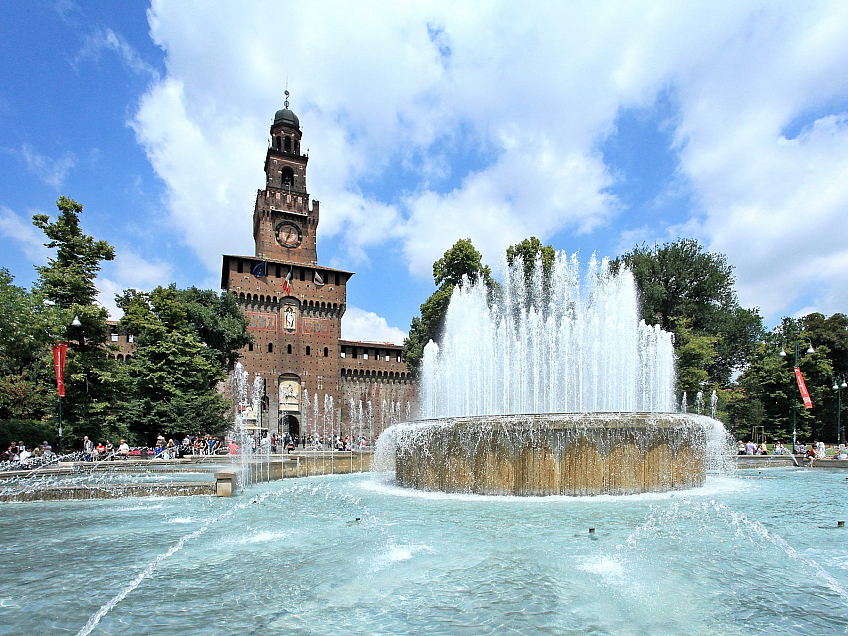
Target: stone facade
column 295, row 307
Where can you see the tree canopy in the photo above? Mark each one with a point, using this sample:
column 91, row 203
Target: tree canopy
column 528, row 251
column 461, row 260
column 185, row 342
column 680, row 280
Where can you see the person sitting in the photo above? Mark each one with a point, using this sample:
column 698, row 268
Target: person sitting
column 811, row 455
column 124, row 449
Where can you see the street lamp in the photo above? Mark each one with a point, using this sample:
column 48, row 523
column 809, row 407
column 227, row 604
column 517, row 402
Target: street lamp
column 839, row 383
column 782, row 354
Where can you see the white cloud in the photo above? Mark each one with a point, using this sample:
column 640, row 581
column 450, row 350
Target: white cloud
column 30, row 238
column 359, row 324
column 51, row 171
column 107, row 40
column 538, row 90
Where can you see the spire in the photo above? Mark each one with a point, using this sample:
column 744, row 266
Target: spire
column 286, row 103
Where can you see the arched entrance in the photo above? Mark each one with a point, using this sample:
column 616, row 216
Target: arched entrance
column 291, row 425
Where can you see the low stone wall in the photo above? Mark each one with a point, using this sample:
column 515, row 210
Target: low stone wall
column 112, row 491
column 774, row 461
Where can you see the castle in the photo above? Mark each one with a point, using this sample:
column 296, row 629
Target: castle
column 295, row 306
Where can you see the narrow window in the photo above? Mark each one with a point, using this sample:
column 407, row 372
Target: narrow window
column 308, row 350
column 342, row 354
column 278, row 270
column 326, row 352
column 288, row 144
column 364, row 356
column 131, row 338
column 302, row 273
column 250, row 347
column 239, row 266
column 270, row 347
column 288, row 348
column 114, row 337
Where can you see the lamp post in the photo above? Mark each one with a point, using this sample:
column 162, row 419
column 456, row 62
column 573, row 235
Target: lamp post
column 782, row 354
column 839, row 383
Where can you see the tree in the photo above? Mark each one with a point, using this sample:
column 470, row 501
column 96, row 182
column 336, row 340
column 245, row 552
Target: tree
column 219, row 322
column 91, row 378
column 185, row 340
column 461, row 260
column 681, row 280
column 27, row 323
column 528, row 251
column 695, row 354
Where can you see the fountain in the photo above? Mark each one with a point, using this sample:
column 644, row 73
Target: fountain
column 556, row 387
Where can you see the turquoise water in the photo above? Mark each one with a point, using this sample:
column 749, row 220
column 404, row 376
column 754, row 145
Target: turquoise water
column 745, row 554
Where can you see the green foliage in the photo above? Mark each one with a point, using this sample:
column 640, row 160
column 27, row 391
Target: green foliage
column 461, row 260
column 528, row 251
column 695, row 354
column 680, row 280
column 26, row 368
column 185, row 340
column 768, row 384
column 30, row 432
column 68, row 279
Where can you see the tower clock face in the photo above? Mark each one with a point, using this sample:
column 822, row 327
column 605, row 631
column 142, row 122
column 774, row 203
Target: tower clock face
column 288, row 234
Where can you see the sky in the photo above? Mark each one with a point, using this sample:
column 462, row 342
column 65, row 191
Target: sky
column 594, row 126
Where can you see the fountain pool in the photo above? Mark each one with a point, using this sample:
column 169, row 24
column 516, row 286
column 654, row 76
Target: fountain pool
column 754, row 553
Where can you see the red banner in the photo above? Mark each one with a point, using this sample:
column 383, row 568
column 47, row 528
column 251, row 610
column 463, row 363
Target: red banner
column 59, row 352
column 805, row 395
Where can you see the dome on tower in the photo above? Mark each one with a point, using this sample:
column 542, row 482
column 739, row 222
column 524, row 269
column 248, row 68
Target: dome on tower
column 286, row 117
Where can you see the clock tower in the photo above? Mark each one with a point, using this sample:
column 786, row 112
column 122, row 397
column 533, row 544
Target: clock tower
column 284, row 225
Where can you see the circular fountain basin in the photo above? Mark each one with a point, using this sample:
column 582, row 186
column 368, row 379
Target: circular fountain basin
column 553, row 454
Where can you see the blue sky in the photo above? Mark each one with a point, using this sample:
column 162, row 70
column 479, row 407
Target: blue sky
column 594, row 126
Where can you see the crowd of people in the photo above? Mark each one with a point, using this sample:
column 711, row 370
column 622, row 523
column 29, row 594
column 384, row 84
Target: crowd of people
column 817, row 450
column 21, row 454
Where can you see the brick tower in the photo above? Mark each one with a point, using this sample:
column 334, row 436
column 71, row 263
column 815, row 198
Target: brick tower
column 294, row 305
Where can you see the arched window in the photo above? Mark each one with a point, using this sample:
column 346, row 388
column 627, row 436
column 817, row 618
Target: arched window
column 128, row 359
column 288, row 348
column 288, row 144
column 326, row 352
column 308, row 350
column 270, row 347
column 288, row 177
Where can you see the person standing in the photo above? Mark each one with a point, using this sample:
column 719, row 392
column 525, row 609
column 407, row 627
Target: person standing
column 87, row 449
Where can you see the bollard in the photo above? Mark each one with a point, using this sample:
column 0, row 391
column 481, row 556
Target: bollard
column 840, row 524
column 591, row 531
column 224, row 484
